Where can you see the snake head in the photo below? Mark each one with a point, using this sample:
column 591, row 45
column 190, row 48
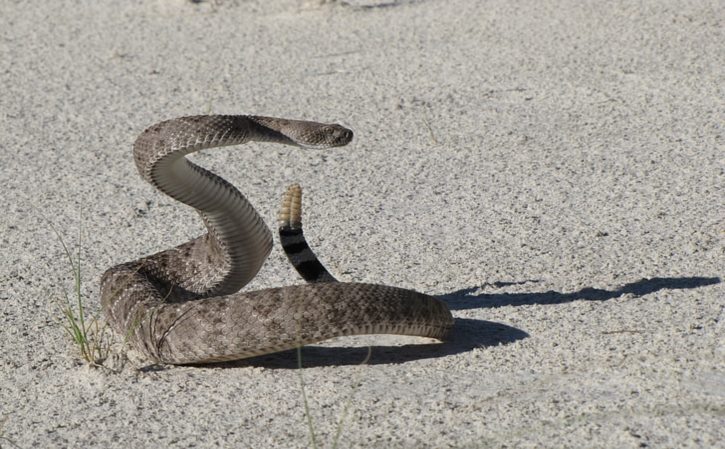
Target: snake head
column 307, row 134
column 325, row 136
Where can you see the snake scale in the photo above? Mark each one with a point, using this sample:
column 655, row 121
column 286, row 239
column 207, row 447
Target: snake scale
column 183, row 305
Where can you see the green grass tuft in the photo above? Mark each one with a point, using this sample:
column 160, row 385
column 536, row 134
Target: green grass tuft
column 92, row 338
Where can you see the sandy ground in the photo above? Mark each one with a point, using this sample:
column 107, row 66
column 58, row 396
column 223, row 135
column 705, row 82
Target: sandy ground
column 552, row 170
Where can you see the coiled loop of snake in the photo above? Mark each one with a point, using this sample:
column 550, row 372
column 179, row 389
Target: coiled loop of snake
column 183, row 305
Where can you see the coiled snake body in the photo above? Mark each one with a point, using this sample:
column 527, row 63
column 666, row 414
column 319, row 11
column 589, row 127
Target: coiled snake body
column 183, row 305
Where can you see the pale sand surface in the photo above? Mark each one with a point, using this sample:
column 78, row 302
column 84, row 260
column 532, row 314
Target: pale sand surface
column 552, row 170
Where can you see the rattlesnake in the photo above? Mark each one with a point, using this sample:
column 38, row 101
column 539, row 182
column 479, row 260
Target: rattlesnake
column 182, row 305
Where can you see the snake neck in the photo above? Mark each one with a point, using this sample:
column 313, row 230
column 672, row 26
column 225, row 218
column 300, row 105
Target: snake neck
column 238, row 241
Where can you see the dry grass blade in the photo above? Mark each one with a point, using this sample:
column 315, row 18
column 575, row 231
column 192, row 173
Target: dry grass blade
column 2, row 434
column 346, row 407
column 310, row 424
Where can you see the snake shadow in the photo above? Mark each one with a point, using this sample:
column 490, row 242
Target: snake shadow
column 467, row 298
column 467, row 334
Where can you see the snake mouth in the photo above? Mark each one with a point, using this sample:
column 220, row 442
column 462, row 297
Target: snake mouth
column 319, row 146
